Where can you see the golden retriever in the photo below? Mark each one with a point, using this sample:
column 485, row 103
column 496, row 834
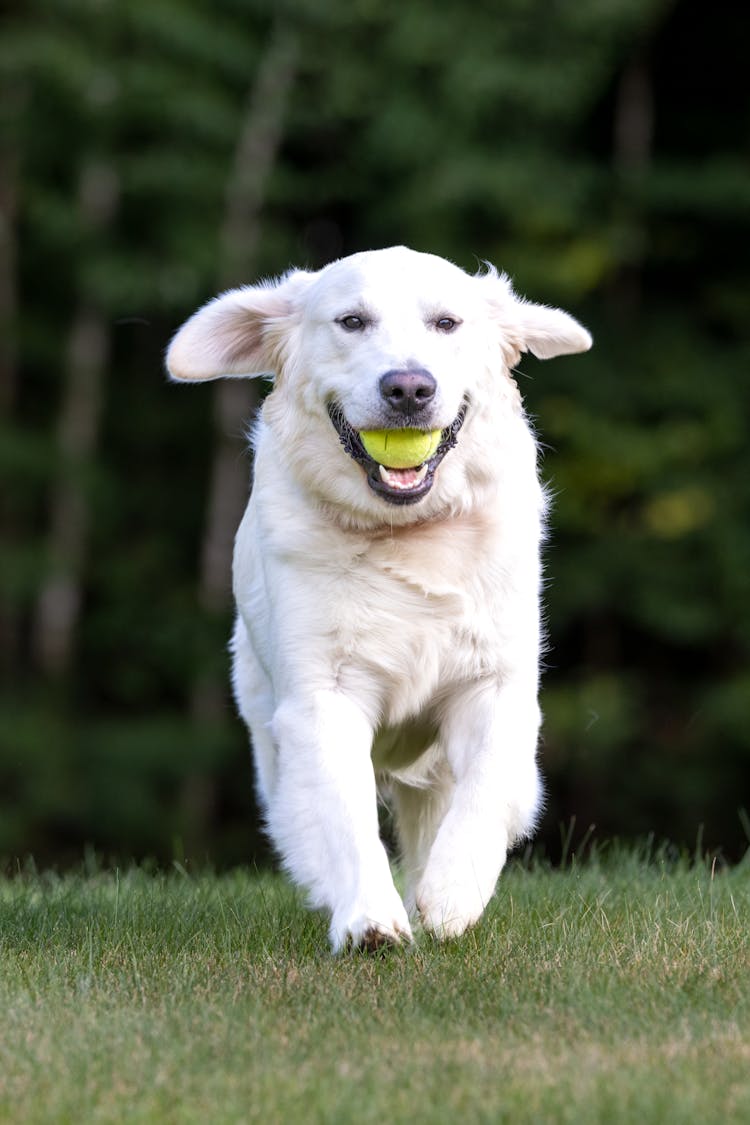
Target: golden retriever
column 388, row 623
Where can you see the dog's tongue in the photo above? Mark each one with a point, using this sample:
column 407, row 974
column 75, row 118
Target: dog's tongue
column 403, row 478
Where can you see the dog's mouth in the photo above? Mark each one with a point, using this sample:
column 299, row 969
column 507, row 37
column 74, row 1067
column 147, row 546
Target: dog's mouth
column 397, row 486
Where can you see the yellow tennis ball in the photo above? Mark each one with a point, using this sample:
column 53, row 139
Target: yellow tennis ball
column 400, row 449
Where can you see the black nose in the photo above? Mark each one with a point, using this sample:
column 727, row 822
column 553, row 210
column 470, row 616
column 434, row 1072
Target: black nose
column 408, row 392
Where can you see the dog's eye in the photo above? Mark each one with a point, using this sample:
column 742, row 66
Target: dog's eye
column 446, row 323
column 352, row 323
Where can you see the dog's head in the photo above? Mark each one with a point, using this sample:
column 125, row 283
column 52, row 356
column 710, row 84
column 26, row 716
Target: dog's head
column 380, row 341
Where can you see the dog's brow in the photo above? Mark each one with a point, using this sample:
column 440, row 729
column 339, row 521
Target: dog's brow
column 439, row 309
column 357, row 308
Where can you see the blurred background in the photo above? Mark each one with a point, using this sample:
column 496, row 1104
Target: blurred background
column 153, row 152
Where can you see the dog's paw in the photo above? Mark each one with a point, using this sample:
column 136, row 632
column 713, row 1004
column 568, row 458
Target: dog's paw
column 448, row 910
column 458, row 882
column 369, row 929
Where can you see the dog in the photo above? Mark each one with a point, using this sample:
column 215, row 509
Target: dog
column 388, row 630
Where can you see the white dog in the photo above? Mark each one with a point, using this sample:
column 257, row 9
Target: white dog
column 388, row 626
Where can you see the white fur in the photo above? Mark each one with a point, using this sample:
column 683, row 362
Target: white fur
column 376, row 641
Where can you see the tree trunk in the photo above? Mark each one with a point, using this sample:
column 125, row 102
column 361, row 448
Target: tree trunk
column 632, row 150
column 8, row 292
column 60, row 598
column 9, row 612
column 257, row 147
column 634, row 120
column 235, row 400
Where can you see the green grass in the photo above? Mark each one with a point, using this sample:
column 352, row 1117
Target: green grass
column 615, row 991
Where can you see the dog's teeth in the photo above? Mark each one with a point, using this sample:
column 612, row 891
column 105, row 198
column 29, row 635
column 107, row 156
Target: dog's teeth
column 404, row 479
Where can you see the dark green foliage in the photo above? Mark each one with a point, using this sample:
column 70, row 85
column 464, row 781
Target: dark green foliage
column 589, row 150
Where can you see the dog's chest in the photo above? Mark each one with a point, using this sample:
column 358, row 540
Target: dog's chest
column 414, row 617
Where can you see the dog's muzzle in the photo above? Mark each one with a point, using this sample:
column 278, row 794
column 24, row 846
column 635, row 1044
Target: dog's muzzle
column 397, row 486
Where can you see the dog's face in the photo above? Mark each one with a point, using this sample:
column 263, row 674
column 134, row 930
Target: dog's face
column 384, row 340
column 392, row 341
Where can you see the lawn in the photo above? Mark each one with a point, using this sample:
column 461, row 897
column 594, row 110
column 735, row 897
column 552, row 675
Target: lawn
column 617, row 990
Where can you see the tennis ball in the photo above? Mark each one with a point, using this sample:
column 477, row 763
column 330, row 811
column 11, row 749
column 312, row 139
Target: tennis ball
column 400, row 449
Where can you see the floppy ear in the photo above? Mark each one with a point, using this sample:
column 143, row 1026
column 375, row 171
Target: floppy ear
column 543, row 331
column 547, row 332
column 240, row 333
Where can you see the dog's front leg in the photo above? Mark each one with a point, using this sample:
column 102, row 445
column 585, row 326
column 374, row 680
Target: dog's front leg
column 490, row 736
column 322, row 816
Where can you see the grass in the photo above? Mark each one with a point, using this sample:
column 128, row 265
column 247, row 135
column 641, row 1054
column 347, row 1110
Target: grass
column 614, row 991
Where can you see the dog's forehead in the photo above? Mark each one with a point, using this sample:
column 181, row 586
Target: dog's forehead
column 382, row 278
